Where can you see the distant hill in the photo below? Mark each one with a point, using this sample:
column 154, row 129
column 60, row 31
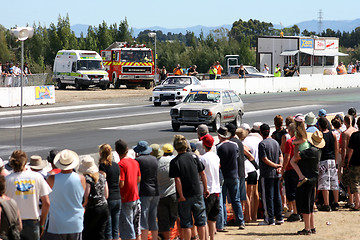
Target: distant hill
column 342, row 25
column 312, row 25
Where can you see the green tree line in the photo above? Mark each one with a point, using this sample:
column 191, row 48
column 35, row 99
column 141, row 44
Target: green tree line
column 185, row 49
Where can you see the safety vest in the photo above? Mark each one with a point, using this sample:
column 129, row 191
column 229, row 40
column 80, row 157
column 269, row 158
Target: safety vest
column 219, row 69
column 277, row 72
column 341, row 70
column 178, row 71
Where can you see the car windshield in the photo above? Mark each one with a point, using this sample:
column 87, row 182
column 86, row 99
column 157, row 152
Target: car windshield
column 89, row 65
column 136, row 56
column 178, row 81
column 251, row 70
column 203, row 96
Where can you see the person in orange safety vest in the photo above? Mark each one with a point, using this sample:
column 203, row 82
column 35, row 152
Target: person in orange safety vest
column 178, row 71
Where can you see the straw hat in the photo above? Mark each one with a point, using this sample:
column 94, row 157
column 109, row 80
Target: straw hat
column 66, row 160
column 316, row 139
column 37, row 163
column 87, row 165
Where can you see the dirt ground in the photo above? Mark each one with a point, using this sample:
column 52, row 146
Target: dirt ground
column 343, row 224
column 92, row 94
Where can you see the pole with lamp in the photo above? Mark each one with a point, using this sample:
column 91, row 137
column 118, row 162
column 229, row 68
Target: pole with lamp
column 21, row 34
column 153, row 35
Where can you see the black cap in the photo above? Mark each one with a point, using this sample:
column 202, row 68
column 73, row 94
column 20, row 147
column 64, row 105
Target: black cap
column 352, row 111
column 264, row 127
column 231, row 128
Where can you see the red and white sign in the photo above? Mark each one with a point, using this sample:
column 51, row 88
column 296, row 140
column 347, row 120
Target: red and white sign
column 332, row 43
column 320, row 44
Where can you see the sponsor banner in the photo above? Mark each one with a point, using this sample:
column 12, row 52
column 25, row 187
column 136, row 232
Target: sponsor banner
column 44, row 92
column 306, row 43
column 320, row 44
column 332, row 43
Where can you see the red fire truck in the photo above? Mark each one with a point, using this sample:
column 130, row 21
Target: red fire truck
column 130, row 65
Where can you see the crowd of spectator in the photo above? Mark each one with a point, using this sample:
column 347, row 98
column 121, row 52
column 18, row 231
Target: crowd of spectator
column 149, row 188
column 10, row 74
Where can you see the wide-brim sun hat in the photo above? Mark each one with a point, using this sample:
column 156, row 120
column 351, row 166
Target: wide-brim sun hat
column 156, row 150
column 87, row 165
column 37, row 163
column 299, row 118
column 142, row 148
column 223, row 132
column 316, row 139
column 310, row 119
column 66, row 160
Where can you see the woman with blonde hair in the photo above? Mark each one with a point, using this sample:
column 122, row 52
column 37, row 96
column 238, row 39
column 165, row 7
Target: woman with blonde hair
column 96, row 207
column 111, row 170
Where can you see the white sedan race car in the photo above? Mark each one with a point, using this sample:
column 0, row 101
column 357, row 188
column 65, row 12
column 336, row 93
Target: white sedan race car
column 174, row 89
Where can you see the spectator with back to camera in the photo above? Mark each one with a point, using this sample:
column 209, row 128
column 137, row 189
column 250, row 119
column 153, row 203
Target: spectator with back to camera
column 306, row 164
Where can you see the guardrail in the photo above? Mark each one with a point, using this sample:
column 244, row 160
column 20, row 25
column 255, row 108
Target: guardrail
column 29, row 80
column 286, row 84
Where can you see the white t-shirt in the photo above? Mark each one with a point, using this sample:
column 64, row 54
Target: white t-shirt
column 26, row 188
column 252, row 142
column 211, row 162
column 266, row 70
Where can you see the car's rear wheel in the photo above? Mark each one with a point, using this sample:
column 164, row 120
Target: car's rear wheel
column 216, row 123
column 238, row 120
column 77, row 85
column 172, row 103
column 175, row 126
column 156, row 104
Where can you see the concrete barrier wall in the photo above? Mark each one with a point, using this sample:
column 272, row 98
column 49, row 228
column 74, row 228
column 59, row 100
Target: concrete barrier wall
column 33, row 95
column 286, row 84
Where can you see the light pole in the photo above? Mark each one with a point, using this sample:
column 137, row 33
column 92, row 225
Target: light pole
column 22, row 33
column 153, row 35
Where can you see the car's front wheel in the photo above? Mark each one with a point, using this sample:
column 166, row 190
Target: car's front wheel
column 238, row 120
column 156, row 104
column 172, row 103
column 175, row 126
column 216, row 123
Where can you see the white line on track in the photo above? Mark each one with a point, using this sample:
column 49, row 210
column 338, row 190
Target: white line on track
column 287, row 109
column 50, row 109
column 80, row 120
column 141, row 126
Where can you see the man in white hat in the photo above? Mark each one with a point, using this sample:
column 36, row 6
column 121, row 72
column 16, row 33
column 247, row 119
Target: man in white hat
column 66, row 211
column 27, row 188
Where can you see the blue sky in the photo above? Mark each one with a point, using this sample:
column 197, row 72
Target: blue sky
column 171, row 14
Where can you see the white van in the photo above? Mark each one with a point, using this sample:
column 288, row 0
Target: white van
column 79, row 68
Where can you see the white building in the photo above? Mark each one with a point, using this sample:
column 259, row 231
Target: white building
column 312, row 55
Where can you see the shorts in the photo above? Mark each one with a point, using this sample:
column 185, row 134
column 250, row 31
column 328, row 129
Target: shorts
column 291, row 180
column 252, row 178
column 354, row 179
column 328, row 177
column 212, row 207
column 305, row 198
column 345, row 179
column 130, row 220
column 167, row 212
column 242, row 189
column 192, row 207
column 149, row 213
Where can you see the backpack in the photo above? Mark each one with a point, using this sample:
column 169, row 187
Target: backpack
column 11, row 219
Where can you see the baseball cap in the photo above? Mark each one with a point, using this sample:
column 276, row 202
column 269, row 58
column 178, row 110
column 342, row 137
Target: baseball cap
column 264, row 128
column 168, row 148
column 245, row 126
column 256, row 126
column 207, row 140
column 322, row 113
